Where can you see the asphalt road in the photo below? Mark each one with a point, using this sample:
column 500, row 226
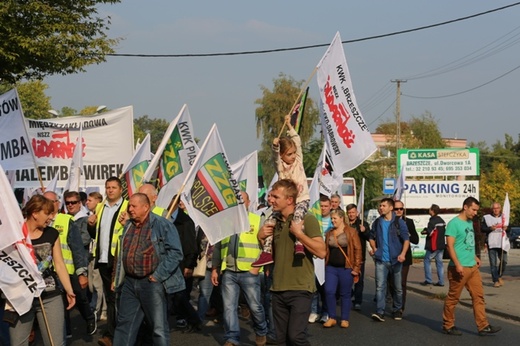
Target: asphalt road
column 421, row 325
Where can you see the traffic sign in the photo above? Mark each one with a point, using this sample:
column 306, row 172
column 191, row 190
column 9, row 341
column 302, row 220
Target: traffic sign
column 388, row 186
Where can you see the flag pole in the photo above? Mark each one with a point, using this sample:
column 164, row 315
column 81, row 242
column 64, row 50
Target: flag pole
column 46, row 321
column 195, row 163
column 299, row 95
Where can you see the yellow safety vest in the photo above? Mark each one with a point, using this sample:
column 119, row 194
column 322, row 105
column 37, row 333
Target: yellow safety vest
column 159, row 211
column 248, row 247
column 118, row 227
column 61, row 223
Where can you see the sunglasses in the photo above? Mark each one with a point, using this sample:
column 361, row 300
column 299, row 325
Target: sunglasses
column 398, row 208
column 71, row 202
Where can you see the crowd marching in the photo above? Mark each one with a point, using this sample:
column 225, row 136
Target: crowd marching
column 133, row 264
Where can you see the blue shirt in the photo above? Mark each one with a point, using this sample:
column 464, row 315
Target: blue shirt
column 385, row 224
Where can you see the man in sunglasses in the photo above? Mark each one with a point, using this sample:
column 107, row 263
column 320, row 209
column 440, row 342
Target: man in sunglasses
column 414, row 239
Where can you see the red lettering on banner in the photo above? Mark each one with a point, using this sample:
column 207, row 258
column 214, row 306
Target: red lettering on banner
column 340, row 115
column 62, row 149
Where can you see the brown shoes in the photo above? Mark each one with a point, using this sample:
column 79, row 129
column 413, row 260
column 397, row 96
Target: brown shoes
column 105, row 341
column 330, row 323
column 261, row 340
column 344, row 324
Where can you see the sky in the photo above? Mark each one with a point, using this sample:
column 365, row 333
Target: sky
column 452, row 58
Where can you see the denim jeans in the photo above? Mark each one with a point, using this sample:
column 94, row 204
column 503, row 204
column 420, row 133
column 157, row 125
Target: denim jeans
column 267, row 281
column 232, row 283
column 437, row 255
column 206, row 288
column 359, row 286
column 497, row 262
column 54, row 308
column 317, row 297
column 383, row 269
column 141, row 298
column 342, row 277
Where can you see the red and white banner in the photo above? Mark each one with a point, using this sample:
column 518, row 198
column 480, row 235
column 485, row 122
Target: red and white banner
column 348, row 139
column 108, row 143
column 15, row 146
column 20, row 280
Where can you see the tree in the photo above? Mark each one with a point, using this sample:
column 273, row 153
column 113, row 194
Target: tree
column 419, row 133
column 35, row 104
column 270, row 115
column 40, row 38
column 493, row 187
column 155, row 127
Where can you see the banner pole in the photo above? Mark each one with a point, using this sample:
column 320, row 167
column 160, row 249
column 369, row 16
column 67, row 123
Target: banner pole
column 46, row 321
column 299, row 95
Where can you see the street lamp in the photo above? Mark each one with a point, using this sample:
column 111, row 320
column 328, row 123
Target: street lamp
column 54, row 113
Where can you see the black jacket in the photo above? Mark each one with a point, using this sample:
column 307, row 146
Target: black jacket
column 186, row 228
column 363, row 236
column 414, row 239
column 436, row 222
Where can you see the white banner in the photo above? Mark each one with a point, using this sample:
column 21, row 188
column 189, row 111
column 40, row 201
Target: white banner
column 245, row 172
column 348, row 139
column 15, row 147
column 108, row 143
column 212, row 192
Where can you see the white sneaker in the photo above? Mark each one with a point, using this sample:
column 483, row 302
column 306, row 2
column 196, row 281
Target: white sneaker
column 313, row 317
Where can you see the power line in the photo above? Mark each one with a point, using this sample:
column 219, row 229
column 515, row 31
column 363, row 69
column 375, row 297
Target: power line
column 465, row 91
column 316, row 45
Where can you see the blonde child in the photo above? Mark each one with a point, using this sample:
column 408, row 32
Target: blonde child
column 288, row 159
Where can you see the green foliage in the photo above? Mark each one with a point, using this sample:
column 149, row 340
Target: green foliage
column 35, row 103
column 419, row 133
column 270, row 114
column 156, row 128
column 40, row 38
column 68, row 111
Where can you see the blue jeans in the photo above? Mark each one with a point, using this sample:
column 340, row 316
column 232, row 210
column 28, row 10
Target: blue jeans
column 267, row 282
column 383, row 269
column 231, row 284
column 206, row 288
column 497, row 262
column 318, row 296
column 140, row 299
column 335, row 276
column 358, row 288
column 437, row 254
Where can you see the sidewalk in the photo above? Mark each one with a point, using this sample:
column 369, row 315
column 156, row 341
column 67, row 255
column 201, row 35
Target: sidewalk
column 503, row 301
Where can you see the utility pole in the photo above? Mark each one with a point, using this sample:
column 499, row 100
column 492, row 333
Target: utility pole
column 398, row 113
column 398, row 119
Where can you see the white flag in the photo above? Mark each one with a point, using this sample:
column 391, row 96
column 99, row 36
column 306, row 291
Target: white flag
column 173, row 157
column 314, row 209
column 213, row 194
column 361, row 199
column 20, row 280
column 76, row 164
column 15, row 146
column 347, row 136
column 245, row 172
column 400, row 185
column 53, row 184
column 135, row 169
column 506, row 213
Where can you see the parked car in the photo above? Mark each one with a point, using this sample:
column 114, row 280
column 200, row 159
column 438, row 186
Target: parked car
column 514, row 237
